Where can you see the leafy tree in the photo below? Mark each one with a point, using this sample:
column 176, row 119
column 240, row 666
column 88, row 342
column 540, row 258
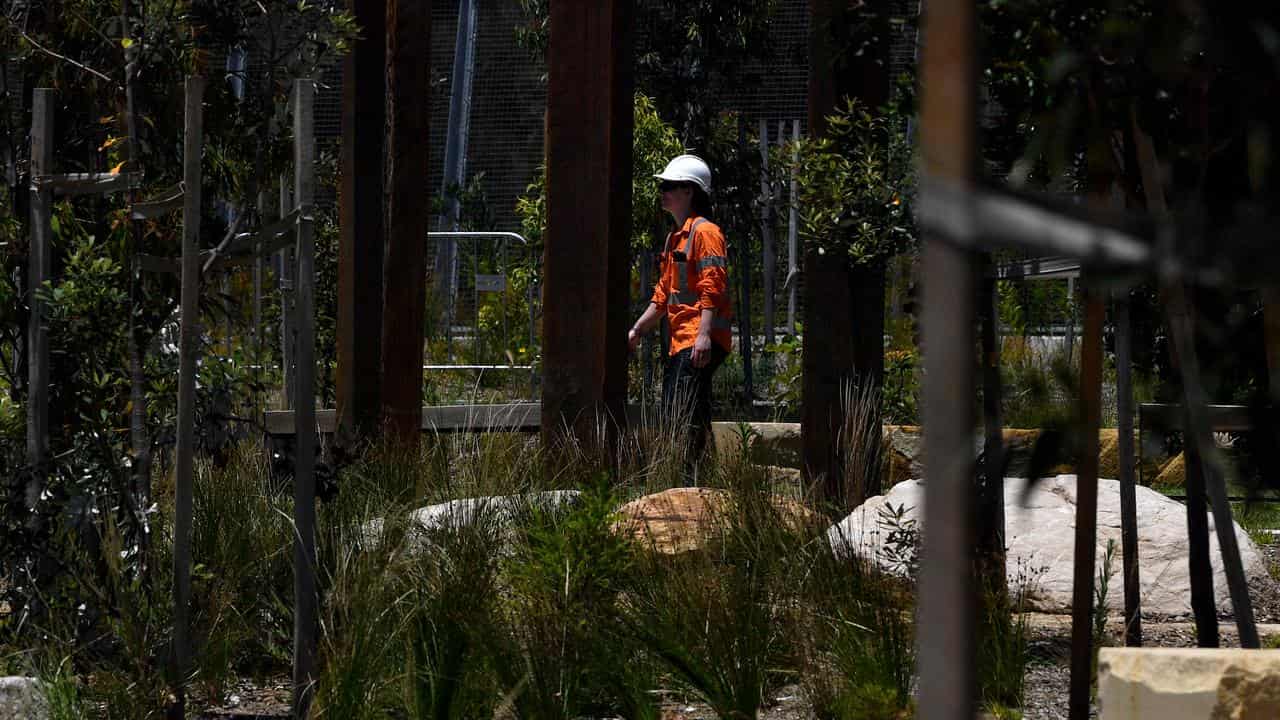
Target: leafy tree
column 102, row 306
column 855, row 185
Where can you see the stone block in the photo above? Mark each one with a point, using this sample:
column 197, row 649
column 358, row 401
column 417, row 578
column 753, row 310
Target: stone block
column 1188, row 684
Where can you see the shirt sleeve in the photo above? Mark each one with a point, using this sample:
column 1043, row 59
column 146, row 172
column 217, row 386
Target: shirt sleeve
column 713, row 277
column 659, row 297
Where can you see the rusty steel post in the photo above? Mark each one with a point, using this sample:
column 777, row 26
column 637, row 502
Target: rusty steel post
column 1086, row 508
column 587, row 126
column 618, row 316
column 404, row 273
column 947, row 601
column 360, row 214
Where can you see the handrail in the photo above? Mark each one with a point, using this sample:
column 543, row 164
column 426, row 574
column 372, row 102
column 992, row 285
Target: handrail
column 476, row 233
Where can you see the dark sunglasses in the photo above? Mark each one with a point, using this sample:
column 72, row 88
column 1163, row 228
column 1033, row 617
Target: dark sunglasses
column 668, row 186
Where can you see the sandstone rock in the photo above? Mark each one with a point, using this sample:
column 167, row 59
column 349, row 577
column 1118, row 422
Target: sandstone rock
column 1188, row 684
column 1173, row 473
column 1041, row 534
column 21, row 699
column 771, row 443
column 685, row 519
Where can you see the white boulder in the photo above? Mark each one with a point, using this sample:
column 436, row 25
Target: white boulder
column 1040, row 537
column 501, row 509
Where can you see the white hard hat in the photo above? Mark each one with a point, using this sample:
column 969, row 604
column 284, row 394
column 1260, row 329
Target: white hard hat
column 688, row 168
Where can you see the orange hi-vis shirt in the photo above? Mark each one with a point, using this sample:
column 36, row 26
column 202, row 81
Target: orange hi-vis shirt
column 694, row 277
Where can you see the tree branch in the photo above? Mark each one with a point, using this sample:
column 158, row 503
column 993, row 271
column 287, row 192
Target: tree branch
column 58, row 56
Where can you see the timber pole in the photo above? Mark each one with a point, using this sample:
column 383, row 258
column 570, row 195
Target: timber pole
column 589, row 136
column 1086, row 534
column 39, row 268
column 361, row 234
column 947, row 599
column 404, row 273
column 1128, row 491
column 989, row 494
column 188, row 360
column 306, row 624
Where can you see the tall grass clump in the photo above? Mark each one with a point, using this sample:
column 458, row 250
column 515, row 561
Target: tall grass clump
column 362, row 570
column 858, row 650
column 452, row 621
column 242, row 583
column 720, row 620
column 571, row 656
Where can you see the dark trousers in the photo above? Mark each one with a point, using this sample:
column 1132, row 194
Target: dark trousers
column 686, row 397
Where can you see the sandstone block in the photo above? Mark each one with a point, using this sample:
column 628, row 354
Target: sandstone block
column 1188, row 684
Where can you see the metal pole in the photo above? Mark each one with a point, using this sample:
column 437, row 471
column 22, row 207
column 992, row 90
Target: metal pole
column 455, row 158
column 793, row 240
column 1086, row 509
column 39, row 268
column 1128, row 496
column 306, row 604
column 766, row 232
column 188, row 352
column 947, row 601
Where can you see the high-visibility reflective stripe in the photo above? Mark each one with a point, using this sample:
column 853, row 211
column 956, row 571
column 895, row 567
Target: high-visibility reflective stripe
column 712, row 261
column 682, row 298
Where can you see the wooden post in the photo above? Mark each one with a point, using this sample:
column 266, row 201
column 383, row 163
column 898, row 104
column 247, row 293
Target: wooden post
column 306, row 625
column 404, row 273
column 745, row 331
column 1086, row 508
column 188, row 359
column 947, row 601
column 287, row 262
column 1198, row 436
column 793, row 240
column 766, row 233
column 39, row 268
column 360, row 256
column 1128, row 493
column 1178, row 309
column 587, row 135
column 989, row 495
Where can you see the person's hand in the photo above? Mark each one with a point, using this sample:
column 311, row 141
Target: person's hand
column 701, row 354
column 633, row 340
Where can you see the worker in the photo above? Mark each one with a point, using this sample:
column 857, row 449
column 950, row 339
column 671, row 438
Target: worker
column 692, row 293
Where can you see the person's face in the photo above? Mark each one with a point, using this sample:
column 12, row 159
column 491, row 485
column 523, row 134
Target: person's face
column 677, row 197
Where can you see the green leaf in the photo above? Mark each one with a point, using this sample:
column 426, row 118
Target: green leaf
column 126, row 42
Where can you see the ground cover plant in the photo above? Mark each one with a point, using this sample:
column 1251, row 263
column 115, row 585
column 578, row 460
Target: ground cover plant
column 529, row 607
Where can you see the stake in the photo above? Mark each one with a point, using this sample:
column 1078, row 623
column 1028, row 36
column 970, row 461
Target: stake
column 947, row 602
column 1198, row 435
column 306, row 605
column 39, row 268
column 188, row 351
column 1128, row 493
column 766, row 232
column 1086, row 509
